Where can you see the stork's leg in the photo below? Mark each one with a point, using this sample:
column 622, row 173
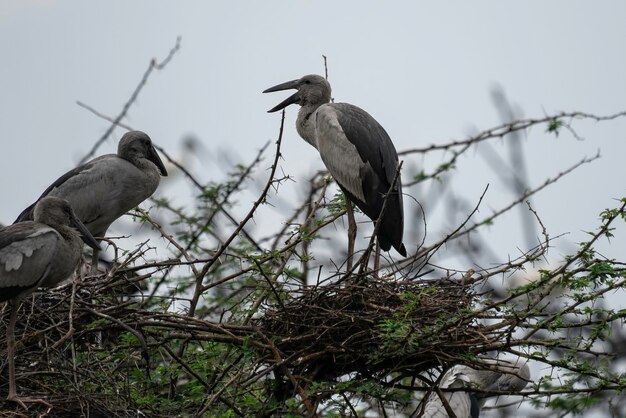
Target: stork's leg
column 11, row 351
column 377, row 257
column 351, row 231
column 11, row 360
column 94, row 262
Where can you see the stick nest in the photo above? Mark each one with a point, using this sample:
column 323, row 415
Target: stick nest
column 375, row 325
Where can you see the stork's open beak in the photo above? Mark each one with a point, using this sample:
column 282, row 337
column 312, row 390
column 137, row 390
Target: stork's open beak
column 294, row 98
column 84, row 232
column 153, row 156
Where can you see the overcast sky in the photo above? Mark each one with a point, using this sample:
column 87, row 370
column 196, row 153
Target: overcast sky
column 424, row 70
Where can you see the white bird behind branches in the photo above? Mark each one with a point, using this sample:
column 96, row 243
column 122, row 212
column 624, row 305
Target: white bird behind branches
column 500, row 375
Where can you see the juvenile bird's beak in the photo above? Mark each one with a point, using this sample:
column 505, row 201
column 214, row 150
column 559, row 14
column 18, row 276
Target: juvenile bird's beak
column 84, row 232
column 153, row 156
column 294, row 98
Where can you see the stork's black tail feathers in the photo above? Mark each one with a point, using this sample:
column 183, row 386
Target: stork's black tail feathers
column 386, row 242
column 391, row 227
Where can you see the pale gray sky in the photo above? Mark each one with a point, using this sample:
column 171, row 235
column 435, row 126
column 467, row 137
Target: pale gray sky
column 424, row 70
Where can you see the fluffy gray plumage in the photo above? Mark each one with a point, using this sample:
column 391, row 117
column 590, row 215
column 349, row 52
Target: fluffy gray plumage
column 39, row 253
column 105, row 188
column 43, row 252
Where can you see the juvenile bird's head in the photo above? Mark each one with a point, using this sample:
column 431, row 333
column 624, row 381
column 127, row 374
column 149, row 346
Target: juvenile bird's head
column 57, row 212
column 135, row 145
column 53, row 211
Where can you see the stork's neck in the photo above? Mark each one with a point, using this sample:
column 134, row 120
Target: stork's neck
column 305, row 124
column 69, row 250
column 144, row 164
column 69, row 234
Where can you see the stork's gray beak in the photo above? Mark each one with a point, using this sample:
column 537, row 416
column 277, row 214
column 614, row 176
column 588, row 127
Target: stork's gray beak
column 153, row 156
column 294, row 98
column 293, row 84
column 84, row 232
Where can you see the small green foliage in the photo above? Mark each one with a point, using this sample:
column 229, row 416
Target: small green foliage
column 488, row 222
column 554, row 126
column 413, row 300
column 307, row 231
column 337, row 204
column 447, row 166
column 421, row 176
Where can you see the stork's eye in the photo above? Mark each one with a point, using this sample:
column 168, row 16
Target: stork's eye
column 307, row 81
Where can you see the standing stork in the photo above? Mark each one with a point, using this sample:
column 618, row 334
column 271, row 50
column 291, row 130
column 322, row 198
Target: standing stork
column 39, row 253
column 105, row 188
column 357, row 152
column 505, row 376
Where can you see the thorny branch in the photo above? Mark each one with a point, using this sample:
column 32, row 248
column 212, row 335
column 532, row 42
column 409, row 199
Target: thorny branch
column 154, row 65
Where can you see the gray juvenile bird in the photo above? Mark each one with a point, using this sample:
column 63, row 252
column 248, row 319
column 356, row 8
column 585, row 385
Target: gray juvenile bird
column 39, row 253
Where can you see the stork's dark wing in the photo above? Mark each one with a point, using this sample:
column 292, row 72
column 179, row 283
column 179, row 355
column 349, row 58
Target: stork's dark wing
column 361, row 157
column 370, row 139
column 27, row 214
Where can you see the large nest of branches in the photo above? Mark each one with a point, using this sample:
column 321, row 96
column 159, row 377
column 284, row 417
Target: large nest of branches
column 63, row 339
column 374, row 325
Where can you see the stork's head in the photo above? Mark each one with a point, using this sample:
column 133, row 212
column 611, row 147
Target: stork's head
column 312, row 90
column 135, row 145
column 55, row 211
